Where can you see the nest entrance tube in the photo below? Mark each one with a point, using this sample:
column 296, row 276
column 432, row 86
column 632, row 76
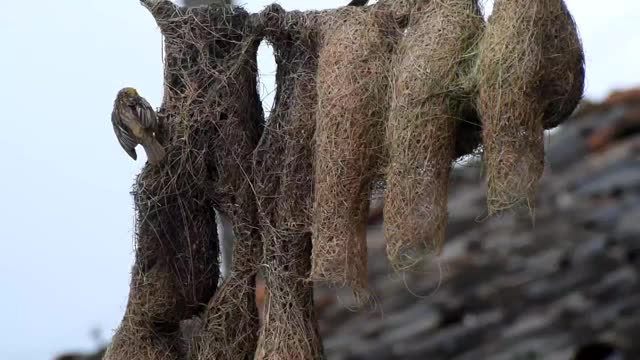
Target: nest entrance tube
column 284, row 171
column 175, row 270
column 227, row 85
column 429, row 104
column 353, row 78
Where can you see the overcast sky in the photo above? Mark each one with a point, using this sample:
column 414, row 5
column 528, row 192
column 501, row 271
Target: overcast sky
column 66, row 216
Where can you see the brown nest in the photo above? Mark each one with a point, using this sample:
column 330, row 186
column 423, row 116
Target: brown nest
column 177, row 238
column 284, row 186
column 530, row 76
column 230, row 327
column 430, row 101
column 353, row 82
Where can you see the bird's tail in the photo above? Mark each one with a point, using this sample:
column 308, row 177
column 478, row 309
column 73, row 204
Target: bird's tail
column 155, row 151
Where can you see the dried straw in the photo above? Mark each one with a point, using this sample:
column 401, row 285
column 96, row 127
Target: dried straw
column 283, row 168
column 429, row 102
column 353, row 84
column 530, row 76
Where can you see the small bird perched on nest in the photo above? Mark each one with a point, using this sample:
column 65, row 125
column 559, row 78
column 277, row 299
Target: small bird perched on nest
column 135, row 122
column 196, row 3
column 358, row 3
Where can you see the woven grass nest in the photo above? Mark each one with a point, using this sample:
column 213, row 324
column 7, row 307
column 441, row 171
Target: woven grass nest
column 353, row 81
column 530, row 76
column 429, row 103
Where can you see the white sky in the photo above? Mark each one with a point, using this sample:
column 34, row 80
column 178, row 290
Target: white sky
column 66, row 217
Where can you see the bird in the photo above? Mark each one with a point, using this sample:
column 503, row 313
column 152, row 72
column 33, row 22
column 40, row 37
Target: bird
column 135, row 122
column 197, row 3
column 358, row 3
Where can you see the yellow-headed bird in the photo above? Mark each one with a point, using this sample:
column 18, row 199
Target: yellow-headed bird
column 135, row 122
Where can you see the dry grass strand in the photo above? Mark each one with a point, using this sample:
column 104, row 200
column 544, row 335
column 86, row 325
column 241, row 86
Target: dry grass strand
column 430, row 101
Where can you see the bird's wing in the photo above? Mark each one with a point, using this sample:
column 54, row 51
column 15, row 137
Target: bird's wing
column 146, row 114
column 126, row 139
